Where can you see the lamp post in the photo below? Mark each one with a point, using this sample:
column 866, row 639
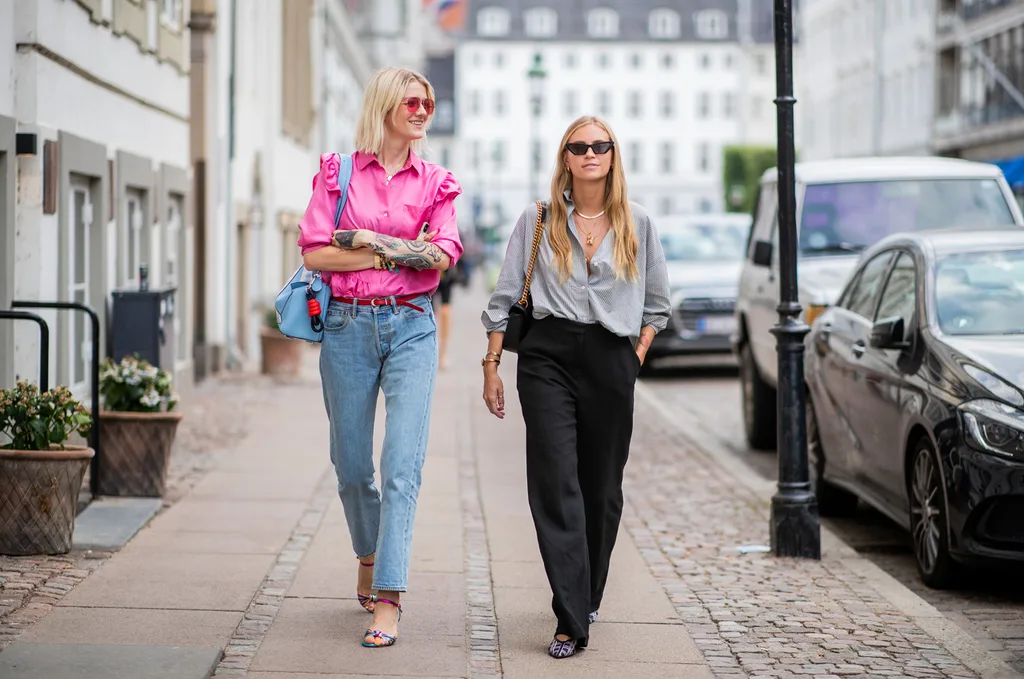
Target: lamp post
column 795, row 529
column 536, row 76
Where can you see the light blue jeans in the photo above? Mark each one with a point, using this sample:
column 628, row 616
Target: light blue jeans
column 366, row 350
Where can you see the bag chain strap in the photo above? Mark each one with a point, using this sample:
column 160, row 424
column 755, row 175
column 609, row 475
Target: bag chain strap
column 538, row 229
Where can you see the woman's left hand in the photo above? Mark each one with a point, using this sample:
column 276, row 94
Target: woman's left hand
column 352, row 239
column 641, row 353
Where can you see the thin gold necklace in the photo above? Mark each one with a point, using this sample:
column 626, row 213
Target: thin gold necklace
column 590, row 235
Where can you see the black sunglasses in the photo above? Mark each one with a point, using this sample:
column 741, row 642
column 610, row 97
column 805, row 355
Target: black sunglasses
column 578, row 148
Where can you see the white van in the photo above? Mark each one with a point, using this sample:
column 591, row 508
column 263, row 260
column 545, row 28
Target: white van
column 844, row 206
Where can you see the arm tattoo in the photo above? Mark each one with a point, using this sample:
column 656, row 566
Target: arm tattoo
column 345, row 239
column 415, row 254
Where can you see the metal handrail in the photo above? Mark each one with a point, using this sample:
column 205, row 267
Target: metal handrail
column 44, row 343
column 94, row 430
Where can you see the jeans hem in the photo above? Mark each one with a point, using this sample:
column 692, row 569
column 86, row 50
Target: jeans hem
column 387, row 588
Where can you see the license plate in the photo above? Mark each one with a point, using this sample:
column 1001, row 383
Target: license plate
column 716, row 325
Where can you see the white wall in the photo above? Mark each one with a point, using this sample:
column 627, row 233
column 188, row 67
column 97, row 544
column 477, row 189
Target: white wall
column 7, row 56
column 866, row 78
column 483, row 69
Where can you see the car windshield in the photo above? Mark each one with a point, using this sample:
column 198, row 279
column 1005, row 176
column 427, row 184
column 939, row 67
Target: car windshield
column 704, row 242
column 981, row 293
column 848, row 217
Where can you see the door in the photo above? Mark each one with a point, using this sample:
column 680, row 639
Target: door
column 842, row 370
column 80, row 234
column 758, row 289
column 883, row 469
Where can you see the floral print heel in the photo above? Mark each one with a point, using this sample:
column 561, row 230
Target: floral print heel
column 372, row 636
column 367, row 601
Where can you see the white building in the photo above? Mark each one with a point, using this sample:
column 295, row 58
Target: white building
column 97, row 93
column 677, row 85
column 865, row 81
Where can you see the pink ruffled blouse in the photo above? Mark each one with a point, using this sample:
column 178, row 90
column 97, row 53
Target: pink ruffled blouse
column 419, row 192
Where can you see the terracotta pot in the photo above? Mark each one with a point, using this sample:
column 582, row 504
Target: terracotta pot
column 39, row 497
column 135, row 452
column 281, row 356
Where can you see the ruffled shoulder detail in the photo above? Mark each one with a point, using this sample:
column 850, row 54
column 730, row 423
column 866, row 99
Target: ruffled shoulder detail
column 448, row 188
column 330, row 166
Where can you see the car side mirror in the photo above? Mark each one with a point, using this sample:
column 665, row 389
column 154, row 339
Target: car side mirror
column 889, row 333
column 762, row 253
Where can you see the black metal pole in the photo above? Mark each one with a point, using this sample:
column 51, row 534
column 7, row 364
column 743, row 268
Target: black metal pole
column 94, row 430
column 44, row 343
column 795, row 529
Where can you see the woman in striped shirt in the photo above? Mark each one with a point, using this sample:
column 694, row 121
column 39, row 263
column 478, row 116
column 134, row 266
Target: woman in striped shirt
column 599, row 292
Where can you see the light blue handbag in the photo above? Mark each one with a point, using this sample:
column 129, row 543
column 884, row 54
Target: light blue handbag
column 302, row 303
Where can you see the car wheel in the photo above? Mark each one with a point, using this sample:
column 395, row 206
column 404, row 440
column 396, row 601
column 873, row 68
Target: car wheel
column 759, row 417
column 832, row 500
column 928, row 522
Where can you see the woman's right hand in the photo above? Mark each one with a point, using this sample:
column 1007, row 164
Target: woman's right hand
column 494, row 391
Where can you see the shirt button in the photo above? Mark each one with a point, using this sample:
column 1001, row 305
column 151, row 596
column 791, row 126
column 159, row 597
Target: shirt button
column 385, row 214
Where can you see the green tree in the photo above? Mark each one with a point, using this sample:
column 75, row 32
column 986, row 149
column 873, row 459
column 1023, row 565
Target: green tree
column 742, row 168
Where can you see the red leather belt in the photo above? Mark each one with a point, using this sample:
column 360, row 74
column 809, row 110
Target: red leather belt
column 401, row 300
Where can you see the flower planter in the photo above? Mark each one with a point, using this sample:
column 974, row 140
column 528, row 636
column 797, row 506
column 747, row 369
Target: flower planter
column 38, row 499
column 136, row 452
column 281, row 356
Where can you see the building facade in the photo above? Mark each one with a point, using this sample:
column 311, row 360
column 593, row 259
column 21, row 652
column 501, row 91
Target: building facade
column 94, row 173
column 866, row 78
column 676, row 84
column 980, row 106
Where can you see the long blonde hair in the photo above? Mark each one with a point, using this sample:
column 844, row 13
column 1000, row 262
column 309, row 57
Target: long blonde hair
column 384, row 93
column 616, row 208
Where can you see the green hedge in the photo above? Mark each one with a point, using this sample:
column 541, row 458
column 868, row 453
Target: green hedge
column 742, row 168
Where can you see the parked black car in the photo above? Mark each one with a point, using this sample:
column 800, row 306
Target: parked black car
column 916, row 395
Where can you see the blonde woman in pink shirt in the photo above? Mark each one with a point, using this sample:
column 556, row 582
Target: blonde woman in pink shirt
column 397, row 233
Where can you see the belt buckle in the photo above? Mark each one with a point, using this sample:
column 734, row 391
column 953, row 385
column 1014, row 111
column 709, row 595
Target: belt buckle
column 380, row 301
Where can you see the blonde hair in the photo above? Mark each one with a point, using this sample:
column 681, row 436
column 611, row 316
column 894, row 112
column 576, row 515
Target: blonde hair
column 616, row 208
column 384, row 93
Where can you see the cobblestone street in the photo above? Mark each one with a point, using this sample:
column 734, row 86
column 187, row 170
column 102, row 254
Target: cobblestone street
column 248, row 572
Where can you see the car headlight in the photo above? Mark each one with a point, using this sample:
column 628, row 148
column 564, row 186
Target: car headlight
column 993, row 427
column 812, row 311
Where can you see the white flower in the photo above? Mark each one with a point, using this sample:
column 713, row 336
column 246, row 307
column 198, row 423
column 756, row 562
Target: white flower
column 150, row 399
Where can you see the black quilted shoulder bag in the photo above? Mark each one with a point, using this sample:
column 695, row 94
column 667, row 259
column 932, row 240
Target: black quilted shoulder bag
column 520, row 314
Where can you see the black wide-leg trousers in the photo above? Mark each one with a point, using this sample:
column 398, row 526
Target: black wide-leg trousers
column 576, row 385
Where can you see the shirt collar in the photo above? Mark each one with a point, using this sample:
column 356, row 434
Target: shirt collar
column 567, row 194
column 363, row 159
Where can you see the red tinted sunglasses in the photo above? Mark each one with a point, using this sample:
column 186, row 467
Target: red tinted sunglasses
column 412, row 104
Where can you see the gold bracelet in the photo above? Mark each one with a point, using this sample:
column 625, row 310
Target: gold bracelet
column 484, row 361
column 376, row 261
column 493, row 353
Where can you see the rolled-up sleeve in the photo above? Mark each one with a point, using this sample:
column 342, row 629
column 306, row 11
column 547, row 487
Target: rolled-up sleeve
column 512, row 277
column 316, row 228
column 657, row 304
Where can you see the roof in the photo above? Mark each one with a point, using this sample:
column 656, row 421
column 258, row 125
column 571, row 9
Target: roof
column 888, row 167
column 954, row 241
column 633, row 19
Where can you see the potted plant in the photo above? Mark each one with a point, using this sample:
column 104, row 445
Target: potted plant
column 281, row 356
column 137, row 428
column 40, row 474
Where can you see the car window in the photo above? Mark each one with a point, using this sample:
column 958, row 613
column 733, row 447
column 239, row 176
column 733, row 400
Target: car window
column 900, row 294
column 850, row 216
column 766, row 204
column 703, row 243
column 863, row 296
column 981, row 293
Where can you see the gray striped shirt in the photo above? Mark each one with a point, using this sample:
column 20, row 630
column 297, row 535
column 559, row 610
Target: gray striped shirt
column 623, row 306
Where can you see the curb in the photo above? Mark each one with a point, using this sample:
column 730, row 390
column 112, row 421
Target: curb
column 958, row 642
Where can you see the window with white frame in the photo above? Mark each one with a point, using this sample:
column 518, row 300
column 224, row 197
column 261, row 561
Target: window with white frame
column 729, row 104
column 170, row 13
column 603, row 23
column 498, row 154
column 712, row 24
column 79, row 270
column 570, row 60
column 668, row 104
column 663, row 24
column 493, row 21
column 703, row 157
column 474, row 103
column 569, row 102
column 668, row 153
column 604, row 103
column 666, row 205
column 499, row 103
column 540, row 22
column 603, row 60
column 131, row 237
column 475, row 154
column 636, row 156
column 703, row 105
column 636, row 104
